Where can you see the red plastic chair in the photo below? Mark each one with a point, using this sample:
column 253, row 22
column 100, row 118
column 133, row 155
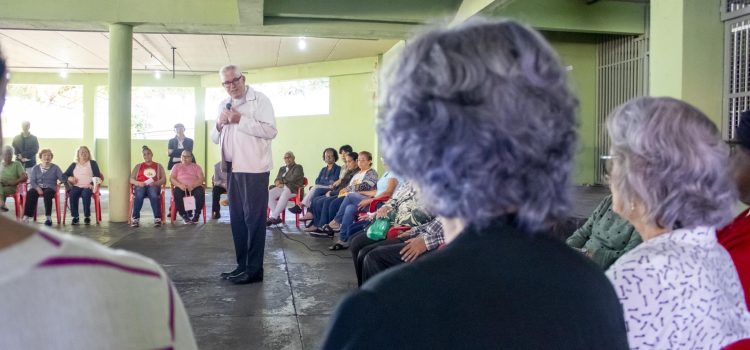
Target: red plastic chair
column 18, row 199
column 57, row 204
column 173, row 207
column 161, row 204
column 95, row 196
column 296, row 200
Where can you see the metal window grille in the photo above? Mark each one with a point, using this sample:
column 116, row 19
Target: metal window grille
column 622, row 74
column 736, row 74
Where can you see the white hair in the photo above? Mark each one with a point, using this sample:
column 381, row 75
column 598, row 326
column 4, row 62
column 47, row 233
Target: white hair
column 230, row 67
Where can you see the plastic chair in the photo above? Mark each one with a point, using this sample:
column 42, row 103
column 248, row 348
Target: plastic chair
column 57, row 204
column 18, row 199
column 296, row 200
column 161, row 204
column 95, row 197
column 173, row 207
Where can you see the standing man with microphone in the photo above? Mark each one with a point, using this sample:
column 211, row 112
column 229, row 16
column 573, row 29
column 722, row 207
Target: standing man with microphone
column 244, row 130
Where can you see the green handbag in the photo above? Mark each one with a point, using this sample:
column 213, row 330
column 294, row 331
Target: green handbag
column 378, row 229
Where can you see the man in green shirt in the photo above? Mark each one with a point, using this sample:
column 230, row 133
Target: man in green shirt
column 605, row 236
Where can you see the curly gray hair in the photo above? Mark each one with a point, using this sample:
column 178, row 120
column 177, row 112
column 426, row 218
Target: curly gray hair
column 669, row 158
column 482, row 119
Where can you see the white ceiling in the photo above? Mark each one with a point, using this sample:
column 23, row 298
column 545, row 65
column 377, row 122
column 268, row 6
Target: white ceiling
column 49, row 51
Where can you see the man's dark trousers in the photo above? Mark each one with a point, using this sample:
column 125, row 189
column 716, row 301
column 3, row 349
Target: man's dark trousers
column 248, row 199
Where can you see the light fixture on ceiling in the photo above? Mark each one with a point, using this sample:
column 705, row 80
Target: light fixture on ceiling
column 64, row 72
column 301, row 43
column 157, row 74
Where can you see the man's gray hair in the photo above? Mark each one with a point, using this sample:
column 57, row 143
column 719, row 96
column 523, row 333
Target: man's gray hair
column 482, row 119
column 230, row 67
column 669, row 158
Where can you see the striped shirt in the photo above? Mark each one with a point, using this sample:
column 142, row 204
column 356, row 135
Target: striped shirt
column 66, row 292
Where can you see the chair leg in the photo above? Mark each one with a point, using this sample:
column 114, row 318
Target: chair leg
column 57, row 207
column 204, row 214
column 65, row 209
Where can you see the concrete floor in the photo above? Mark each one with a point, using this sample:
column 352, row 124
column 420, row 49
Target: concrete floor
column 303, row 281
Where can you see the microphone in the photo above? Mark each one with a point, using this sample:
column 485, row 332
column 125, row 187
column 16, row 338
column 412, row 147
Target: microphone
column 229, row 105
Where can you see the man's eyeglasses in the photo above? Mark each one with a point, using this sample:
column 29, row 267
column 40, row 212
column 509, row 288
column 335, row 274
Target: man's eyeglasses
column 232, row 82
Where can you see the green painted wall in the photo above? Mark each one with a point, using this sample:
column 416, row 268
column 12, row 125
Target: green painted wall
column 577, row 16
column 686, row 53
column 579, row 52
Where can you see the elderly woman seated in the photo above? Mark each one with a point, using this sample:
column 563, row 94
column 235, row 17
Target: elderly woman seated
column 147, row 179
column 187, row 179
column 363, row 183
column 43, row 183
column 289, row 179
column 321, row 203
column 480, row 117
column 328, row 175
column 12, row 173
column 347, row 214
column 83, row 175
column 678, row 288
column 605, row 236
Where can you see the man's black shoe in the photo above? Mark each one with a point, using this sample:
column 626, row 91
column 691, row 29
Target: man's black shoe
column 234, row 273
column 244, row 278
column 296, row 209
column 216, row 215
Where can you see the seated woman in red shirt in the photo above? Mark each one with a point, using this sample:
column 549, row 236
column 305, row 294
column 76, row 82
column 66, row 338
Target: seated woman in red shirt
column 147, row 179
column 735, row 237
column 187, row 179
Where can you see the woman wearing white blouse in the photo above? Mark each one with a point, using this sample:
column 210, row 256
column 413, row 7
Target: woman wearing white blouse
column 679, row 289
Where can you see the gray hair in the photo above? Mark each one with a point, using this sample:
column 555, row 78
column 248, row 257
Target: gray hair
column 230, row 67
column 669, row 158
column 480, row 117
column 8, row 149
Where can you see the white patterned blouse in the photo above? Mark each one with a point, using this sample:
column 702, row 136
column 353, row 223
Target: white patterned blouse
column 680, row 290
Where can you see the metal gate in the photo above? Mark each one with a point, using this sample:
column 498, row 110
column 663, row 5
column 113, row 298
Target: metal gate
column 736, row 15
column 622, row 74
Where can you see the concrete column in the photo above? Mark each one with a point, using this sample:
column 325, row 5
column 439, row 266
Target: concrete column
column 120, row 84
column 200, row 137
column 89, row 100
column 686, row 53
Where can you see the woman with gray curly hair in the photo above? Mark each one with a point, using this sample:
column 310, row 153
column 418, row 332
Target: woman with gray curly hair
column 670, row 180
column 481, row 119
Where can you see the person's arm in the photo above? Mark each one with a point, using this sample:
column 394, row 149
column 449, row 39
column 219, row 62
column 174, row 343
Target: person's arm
column 201, row 177
column 161, row 176
column 432, row 232
column 22, row 176
column 134, row 175
column 95, row 169
column 388, row 193
column 170, row 148
column 59, row 174
column 321, row 180
column 173, row 177
column 261, row 123
column 583, row 233
column 606, row 257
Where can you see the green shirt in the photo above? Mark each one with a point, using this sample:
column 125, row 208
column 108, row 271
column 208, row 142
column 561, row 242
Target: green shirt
column 605, row 235
column 9, row 176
